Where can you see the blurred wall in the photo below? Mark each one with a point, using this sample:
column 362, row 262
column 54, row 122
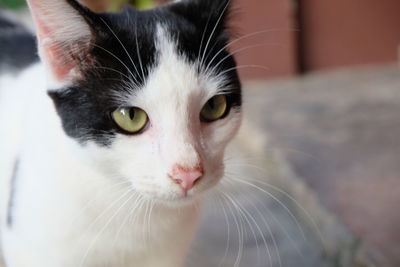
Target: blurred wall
column 332, row 34
column 271, row 27
column 349, row 32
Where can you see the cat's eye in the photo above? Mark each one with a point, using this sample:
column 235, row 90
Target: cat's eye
column 216, row 108
column 131, row 120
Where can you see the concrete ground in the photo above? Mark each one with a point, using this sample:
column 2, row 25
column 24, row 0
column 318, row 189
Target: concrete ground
column 340, row 133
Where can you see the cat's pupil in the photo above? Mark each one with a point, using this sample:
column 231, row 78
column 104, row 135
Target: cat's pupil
column 211, row 103
column 131, row 113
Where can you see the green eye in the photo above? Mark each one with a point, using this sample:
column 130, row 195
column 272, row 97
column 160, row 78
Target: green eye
column 215, row 109
column 131, row 120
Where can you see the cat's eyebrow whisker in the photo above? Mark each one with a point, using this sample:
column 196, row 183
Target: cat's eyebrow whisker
column 232, row 54
column 203, row 35
column 111, row 79
column 252, row 34
column 114, row 70
column 123, row 46
column 138, row 51
column 214, row 29
column 119, row 60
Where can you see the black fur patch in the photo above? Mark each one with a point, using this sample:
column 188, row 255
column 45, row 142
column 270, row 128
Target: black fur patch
column 11, row 200
column 86, row 106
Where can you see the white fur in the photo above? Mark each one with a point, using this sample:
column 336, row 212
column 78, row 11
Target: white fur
column 73, row 203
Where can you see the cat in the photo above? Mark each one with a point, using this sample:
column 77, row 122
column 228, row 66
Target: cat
column 110, row 142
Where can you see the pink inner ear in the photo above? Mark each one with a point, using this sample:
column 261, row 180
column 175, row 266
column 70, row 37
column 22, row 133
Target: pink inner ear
column 57, row 61
column 53, row 52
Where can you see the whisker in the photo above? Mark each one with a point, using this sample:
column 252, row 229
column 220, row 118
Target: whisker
column 132, row 209
column 107, row 209
column 286, row 194
column 123, row 47
column 244, row 212
column 213, row 31
column 151, row 204
column 102, row 230
column 227, row 232
column 243, row 38
column 203, row 35
column 114, row 70
column 138, row 50
column 88, row 203
column 277, row 200
column 230, row 55
column 143, row 224
column 270, row 214
column 266, row 224
column 119, row 60
column 308, row 215
column 239, row 228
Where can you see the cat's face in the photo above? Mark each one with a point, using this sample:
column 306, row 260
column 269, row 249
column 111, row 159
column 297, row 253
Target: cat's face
column 151, row 97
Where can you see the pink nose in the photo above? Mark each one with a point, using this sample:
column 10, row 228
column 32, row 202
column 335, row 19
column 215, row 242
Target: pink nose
column 186, row 177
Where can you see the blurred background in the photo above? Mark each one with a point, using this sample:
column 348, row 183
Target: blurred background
column 322, row 86
column 291, row 37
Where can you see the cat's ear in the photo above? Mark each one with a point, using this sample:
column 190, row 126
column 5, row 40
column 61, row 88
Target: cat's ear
column 213, row 13
column 64, row 35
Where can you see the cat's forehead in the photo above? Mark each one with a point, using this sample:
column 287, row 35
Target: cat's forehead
column 157, row 50
column 175, row 78
column 142, row 28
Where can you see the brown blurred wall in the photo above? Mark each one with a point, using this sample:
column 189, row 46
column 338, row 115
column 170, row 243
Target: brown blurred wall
column 338, row 33
column 277, row 50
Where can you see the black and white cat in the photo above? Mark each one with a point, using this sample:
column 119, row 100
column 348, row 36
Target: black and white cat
column 109, row 143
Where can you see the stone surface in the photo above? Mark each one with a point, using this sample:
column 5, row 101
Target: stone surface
column 340, row 132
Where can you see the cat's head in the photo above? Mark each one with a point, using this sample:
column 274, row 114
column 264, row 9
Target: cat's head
column 152, row 97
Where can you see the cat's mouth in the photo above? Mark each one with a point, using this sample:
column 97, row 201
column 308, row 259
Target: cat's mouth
column 172, row 200
column 174, row 195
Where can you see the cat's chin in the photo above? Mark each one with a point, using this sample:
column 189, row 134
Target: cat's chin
column 175, row 201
